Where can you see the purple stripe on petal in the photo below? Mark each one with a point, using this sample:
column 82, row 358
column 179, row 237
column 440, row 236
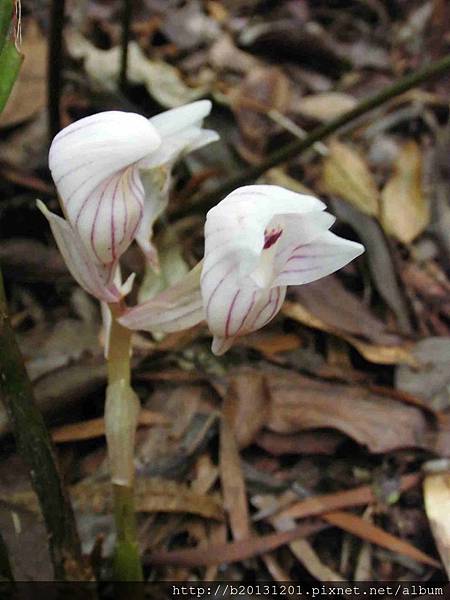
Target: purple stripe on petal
column 304, row 270
column 247, row 313
column 230, row 312
column 213, row 293
column 260, row 312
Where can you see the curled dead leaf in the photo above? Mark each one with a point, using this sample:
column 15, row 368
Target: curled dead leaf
column 299, row 403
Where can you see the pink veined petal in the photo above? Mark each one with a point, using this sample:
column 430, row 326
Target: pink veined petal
column 179, row 307
column 268, row 307
column 93, row 166
column 96, row 281
column 110, row 217
column 241, row 219
column 248, row 311
column 323, row 256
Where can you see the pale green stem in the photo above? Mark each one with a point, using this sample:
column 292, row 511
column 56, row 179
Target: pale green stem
column 127, row 564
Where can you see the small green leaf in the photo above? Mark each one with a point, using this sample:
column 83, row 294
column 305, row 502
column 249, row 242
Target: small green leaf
column 10, row 61
column 6, row 11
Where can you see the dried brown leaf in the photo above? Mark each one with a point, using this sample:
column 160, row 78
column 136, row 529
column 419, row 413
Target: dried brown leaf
column 86, row 430
column 233, row 551
column 343, row 311
column 359, row 496
column 224, row 54
column 151, row 495
column 347, row 175
column 324, row 106
column 430, row 379
column 233, row 483
column 382, row 424
column 376, row 353
column 367, row 531
column 246, row 405
column 379, row 257
column 317, row 442
column 262, row 90
column 405, row 211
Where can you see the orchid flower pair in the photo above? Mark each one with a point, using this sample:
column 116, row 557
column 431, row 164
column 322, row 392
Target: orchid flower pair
column 112, row 171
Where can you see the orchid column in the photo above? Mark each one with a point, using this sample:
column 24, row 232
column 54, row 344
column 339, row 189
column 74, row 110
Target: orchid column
column 112, row 171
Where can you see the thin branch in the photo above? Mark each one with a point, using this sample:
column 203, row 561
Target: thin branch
column 34, row 446
column 5, row 566
column 299, row 146
column 55, row 63
column 126, row 24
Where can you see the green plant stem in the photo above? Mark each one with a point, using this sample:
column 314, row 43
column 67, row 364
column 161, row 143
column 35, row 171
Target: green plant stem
column 126, row 24
column 55, row 63
column 127, row 563
column 297, row 147
column 35, row 448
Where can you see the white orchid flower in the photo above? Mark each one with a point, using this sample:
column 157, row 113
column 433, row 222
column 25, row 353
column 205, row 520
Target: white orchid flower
column 258, row 240
column 112, row 171
column 181, row 132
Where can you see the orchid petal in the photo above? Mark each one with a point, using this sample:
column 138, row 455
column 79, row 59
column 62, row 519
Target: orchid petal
column 93, row 163
column 248, row 311
column 95, row 280
column 171, row 122
column 181, row 132
column 235, row 228
column 156, row 184
column 323, row 256
column 179, row 307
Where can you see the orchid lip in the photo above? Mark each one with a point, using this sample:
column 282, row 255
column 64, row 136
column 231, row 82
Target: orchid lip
column 271, row 237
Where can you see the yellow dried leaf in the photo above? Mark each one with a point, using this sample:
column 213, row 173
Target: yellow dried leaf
column 437, row 506
column 404, row 209
column 375, row 353
column 347, row 175
column 325, row 106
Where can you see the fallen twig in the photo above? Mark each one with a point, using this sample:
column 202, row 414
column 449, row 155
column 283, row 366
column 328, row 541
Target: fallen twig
column 298, row 146
column 34, row 446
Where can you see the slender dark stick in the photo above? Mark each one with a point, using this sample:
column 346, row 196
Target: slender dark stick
column 126, row 24
column 55, row 63
column 5, row 565
column 299, row 146
column 35, row 448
